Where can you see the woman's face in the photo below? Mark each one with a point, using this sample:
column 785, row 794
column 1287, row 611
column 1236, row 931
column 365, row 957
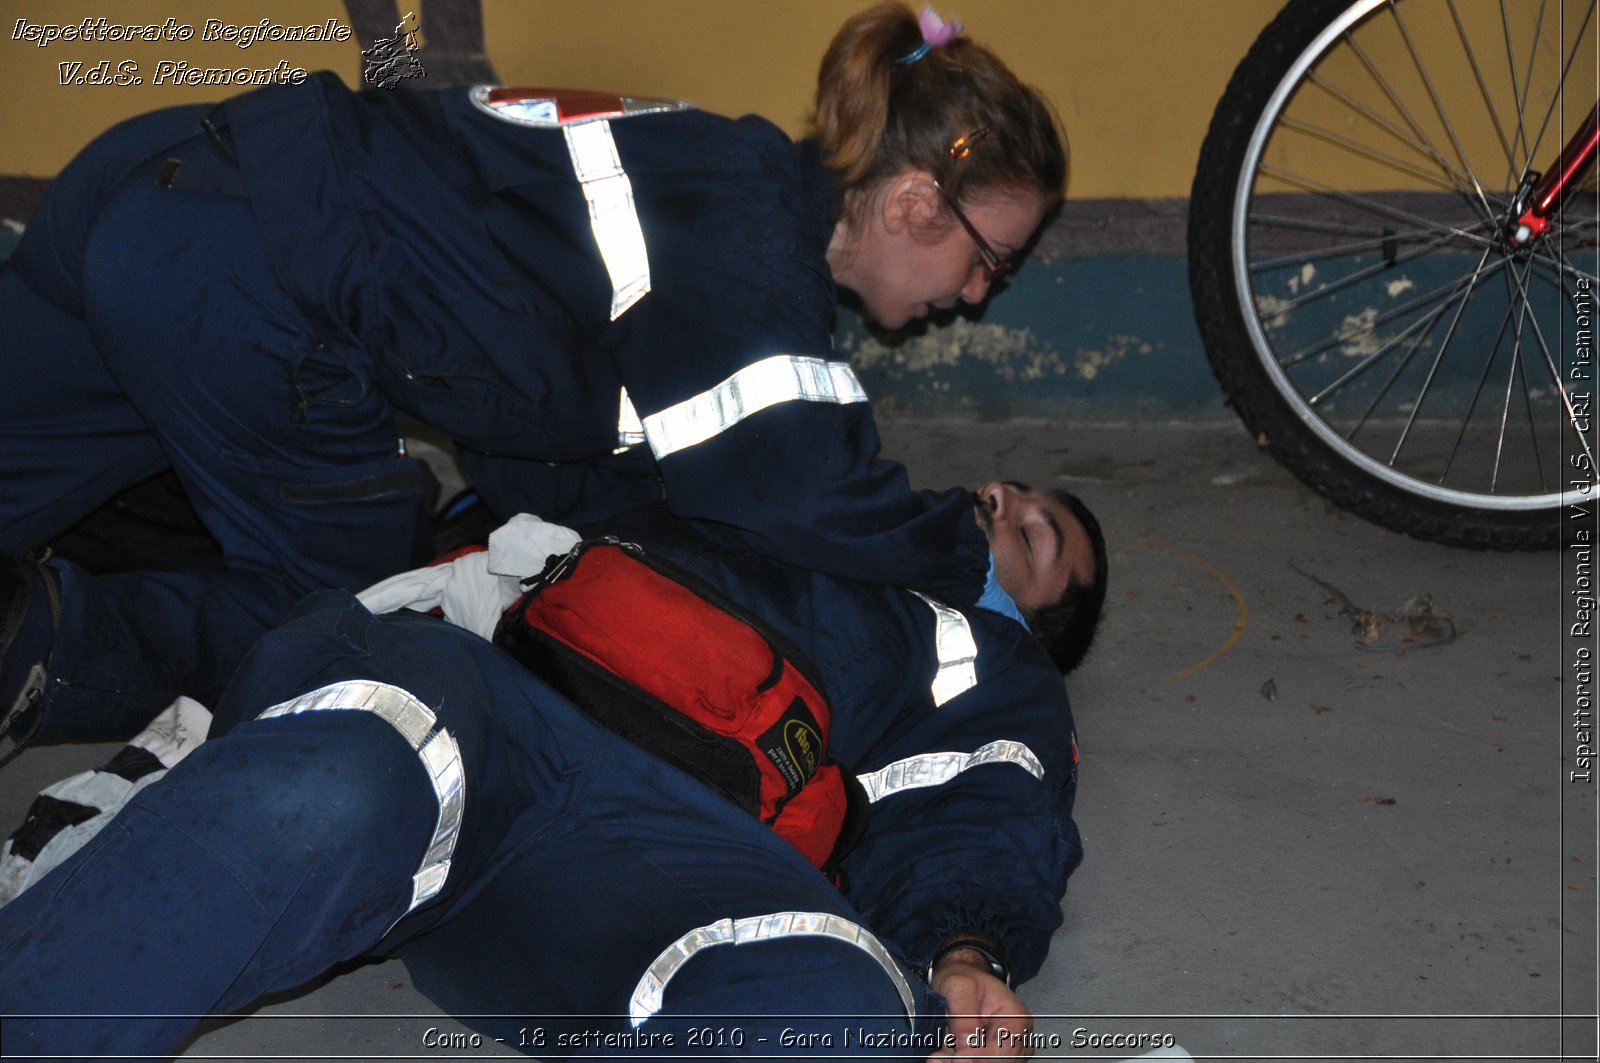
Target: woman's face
column 908, row 254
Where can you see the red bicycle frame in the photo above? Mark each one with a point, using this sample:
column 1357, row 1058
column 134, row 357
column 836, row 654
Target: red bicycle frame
column 1535, row 208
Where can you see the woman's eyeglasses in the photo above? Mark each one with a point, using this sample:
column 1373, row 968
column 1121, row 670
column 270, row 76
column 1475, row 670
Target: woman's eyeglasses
column 994, row 263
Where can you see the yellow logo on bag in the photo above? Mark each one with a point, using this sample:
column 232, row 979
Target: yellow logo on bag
column 804, row 745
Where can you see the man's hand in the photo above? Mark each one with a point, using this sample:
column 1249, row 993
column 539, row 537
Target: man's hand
column 985, row 1017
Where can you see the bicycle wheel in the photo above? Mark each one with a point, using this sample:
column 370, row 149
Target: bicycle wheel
column 1360, row 300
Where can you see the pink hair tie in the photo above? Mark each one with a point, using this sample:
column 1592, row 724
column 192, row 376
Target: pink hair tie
column 936, row 33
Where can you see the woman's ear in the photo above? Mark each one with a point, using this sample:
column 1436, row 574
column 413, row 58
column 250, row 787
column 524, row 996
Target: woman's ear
column 912, row 202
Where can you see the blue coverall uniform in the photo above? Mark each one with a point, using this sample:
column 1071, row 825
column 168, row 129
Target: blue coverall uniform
column 586, row 877
column 255, row 300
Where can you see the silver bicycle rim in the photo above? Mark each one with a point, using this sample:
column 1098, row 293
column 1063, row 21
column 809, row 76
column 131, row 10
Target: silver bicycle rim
column 1384, row 471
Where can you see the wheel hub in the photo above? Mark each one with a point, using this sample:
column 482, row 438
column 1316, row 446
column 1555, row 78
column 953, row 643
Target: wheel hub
column 1522, row 225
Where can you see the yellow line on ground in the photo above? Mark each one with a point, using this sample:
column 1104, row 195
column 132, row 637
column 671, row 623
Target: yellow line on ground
column 1228, row 584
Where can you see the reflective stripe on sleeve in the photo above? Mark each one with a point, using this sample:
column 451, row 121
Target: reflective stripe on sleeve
column 957, row 651
column 935, row 769
column 435, row 746
column 612, row 215
column 648, row 994
column 780, row 378
column 630, row 430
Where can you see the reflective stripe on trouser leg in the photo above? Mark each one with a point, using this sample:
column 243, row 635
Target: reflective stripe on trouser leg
column 956, row 649
column 436, row 747
column 779, row 378
column 649, row 993
column 936, row 769
column 612, row 215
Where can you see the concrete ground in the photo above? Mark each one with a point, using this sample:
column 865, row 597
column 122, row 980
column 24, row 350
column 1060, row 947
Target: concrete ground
column 1301, row 843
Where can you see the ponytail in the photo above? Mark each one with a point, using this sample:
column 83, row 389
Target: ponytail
column 878, row 114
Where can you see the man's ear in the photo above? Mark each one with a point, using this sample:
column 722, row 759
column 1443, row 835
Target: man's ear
column 912, row 202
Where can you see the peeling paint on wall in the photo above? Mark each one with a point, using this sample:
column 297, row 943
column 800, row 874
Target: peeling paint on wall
column 1360, row 335
column 1015, row 354
column 1060, row 340
column 1273, row 311
column 1088, row 362
column 1307, row 273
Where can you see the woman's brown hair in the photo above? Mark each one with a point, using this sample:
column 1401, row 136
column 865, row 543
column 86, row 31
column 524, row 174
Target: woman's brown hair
column 876, row 116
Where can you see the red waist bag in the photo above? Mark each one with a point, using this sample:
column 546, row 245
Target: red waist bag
column 670, row 663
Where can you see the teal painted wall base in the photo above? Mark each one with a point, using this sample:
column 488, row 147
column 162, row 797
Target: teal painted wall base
column 1105, row 337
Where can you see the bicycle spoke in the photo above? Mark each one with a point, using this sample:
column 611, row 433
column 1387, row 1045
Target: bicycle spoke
column 1555, row 372
column 1562, row 227
column 1447, row 291
column 1357, row 277
column 1370, row 205
column 1505, row 406
column 1405, row 112
column 1578, row 215
column 1520, row 91
column 1438, row 107
column 1533, row 426
column 1425, row 323
column 1518, row 372
column 1563, row 266
column 1477, row 393
column 1405, row 362
column 1320, row 225
column 1399, row 134
column 1433, row 370
column 1556, row 94
column 1483, row 88
column 1367, row 245
column 1369, row 152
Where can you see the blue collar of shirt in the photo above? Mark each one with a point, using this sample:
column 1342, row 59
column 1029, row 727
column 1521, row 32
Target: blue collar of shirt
column 995, row 599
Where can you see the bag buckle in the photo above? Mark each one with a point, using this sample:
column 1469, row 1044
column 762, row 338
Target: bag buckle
column 562, row 566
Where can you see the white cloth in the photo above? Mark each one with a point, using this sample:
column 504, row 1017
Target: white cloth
column 474, row 589
column 82, row 804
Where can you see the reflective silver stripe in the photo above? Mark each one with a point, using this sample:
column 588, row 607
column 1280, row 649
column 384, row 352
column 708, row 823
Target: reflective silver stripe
column 957, row 650
column 612, row 216
column 630, row 431
column 780, row 378
column 648, row 994
column 935, row 769
column 436, row 747
column 545, row 108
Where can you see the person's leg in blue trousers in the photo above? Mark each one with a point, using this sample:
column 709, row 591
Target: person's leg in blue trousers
column 278, row 848
column 656, row 913
column 251, row 866
column 289, row 843
column 664, row 921
column 142, row 325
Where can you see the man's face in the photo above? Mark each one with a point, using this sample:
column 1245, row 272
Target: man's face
column 1039, row 547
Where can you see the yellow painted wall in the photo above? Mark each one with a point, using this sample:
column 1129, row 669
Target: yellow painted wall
column 1133, row 80
column 44, row 122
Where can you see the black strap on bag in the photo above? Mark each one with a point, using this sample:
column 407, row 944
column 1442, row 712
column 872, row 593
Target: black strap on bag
column 672, row 664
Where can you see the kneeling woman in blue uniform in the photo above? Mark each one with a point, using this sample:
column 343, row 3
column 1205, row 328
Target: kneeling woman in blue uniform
column 599, row 300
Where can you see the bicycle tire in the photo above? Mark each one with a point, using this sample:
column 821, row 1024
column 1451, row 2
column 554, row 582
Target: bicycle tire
column 1240, row 324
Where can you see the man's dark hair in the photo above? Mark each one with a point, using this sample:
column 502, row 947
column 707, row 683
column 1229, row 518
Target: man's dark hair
column 1067, row 628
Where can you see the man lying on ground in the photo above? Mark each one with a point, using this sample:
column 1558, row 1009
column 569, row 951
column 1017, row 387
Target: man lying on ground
column 398, row 784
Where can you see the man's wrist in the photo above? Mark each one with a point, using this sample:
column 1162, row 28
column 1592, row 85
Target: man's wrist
column 976, row 950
